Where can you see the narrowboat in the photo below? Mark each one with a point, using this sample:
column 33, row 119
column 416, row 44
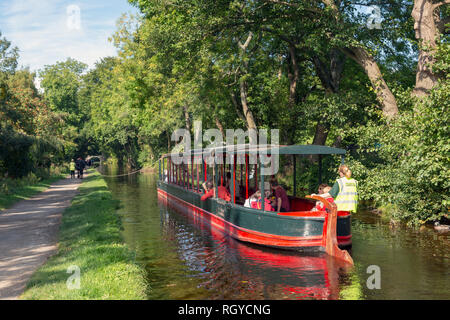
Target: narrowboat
column 180, row 187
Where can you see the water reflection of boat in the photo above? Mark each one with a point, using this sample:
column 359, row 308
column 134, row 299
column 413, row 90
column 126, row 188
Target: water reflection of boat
column 236, row 269
column 298, row 229
column 300, row 276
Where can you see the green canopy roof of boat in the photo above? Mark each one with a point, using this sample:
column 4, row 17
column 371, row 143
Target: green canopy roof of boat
column 309, row 149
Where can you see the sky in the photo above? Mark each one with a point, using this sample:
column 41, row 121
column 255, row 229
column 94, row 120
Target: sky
column 47, row 31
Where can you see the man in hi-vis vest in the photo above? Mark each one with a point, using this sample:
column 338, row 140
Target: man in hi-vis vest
column 345, row 191
column 72, row 169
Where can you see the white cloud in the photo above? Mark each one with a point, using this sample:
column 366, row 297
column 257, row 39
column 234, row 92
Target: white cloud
column 41, row 30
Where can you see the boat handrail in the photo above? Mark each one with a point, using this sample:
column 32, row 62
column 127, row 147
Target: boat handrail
column 309, row 149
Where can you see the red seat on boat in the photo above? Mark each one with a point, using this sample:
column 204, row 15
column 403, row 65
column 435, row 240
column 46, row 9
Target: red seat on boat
column 300, row 204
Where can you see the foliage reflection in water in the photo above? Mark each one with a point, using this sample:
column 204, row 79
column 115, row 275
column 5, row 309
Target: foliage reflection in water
column 186, row 259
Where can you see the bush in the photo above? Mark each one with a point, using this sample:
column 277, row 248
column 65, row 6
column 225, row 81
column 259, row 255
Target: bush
column 15, row 159
column 412, row 161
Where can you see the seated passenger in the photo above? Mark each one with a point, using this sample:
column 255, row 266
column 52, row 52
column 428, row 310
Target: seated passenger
column 204, row 182
column 324, row 192
column 253, row 198
column 223, row 193
column 321, row 187
column 209, row 192
column 273, row 179
column 237, row 187
column 228, row 180
column 281, row 199
column 207, row 185
column 267, row 203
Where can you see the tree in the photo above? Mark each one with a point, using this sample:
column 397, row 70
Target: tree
column 8, row 65
column 61, row 83
column 429, row 23
column 29, row 140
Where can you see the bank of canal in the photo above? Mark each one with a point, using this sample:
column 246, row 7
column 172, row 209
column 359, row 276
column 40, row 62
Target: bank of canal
column 92, row 262
column 184, row 259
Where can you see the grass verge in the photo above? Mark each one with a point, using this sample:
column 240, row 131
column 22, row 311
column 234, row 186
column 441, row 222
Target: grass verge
column 90, row 239
column 14, row 191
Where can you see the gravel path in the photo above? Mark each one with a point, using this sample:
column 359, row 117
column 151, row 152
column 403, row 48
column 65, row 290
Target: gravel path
column 29, row 235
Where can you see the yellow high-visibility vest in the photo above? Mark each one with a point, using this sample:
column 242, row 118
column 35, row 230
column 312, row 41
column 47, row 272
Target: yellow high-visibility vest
column 72, row 166
column 347, row 198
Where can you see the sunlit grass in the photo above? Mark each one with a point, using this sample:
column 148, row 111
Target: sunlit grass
column 13, row 191
column 90, row 239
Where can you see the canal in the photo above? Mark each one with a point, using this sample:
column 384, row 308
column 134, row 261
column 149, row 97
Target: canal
column 187, row 260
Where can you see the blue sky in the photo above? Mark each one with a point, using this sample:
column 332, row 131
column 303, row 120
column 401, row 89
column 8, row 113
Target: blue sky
column 46, row 31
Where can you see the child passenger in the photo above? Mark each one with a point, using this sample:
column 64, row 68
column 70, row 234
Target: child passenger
column 256, row 202
column 324, row 192
column 253, row 198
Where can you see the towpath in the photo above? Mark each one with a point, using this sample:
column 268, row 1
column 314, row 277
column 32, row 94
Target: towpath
column 29, row 235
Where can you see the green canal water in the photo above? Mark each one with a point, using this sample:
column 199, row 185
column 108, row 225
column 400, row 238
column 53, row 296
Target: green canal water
column 185, row 259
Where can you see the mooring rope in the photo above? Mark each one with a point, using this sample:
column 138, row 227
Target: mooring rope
column 119, row 175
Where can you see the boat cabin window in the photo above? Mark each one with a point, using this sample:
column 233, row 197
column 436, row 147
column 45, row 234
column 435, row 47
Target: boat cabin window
column 243, row 178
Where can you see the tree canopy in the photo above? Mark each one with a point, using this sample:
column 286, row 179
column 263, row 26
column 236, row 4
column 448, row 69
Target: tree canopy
column 367, row 76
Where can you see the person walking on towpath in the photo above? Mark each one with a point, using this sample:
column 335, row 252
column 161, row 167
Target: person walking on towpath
column 80, row 165
column 72, row 169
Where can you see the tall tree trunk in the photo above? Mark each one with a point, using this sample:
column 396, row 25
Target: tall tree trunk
column 365, row 60
column 187, row 118
column 330, row 77
column 130, row 154
column 168, row 141
column 293, row 76
column 426, row 25
column 237, row 107
column 337, row 60
column 216, row 120
column 320, row 137
column 220, row 127
column 293, row 73
column 321, row 134
column 251, row 124
column 384, row 94
column 370, row 66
